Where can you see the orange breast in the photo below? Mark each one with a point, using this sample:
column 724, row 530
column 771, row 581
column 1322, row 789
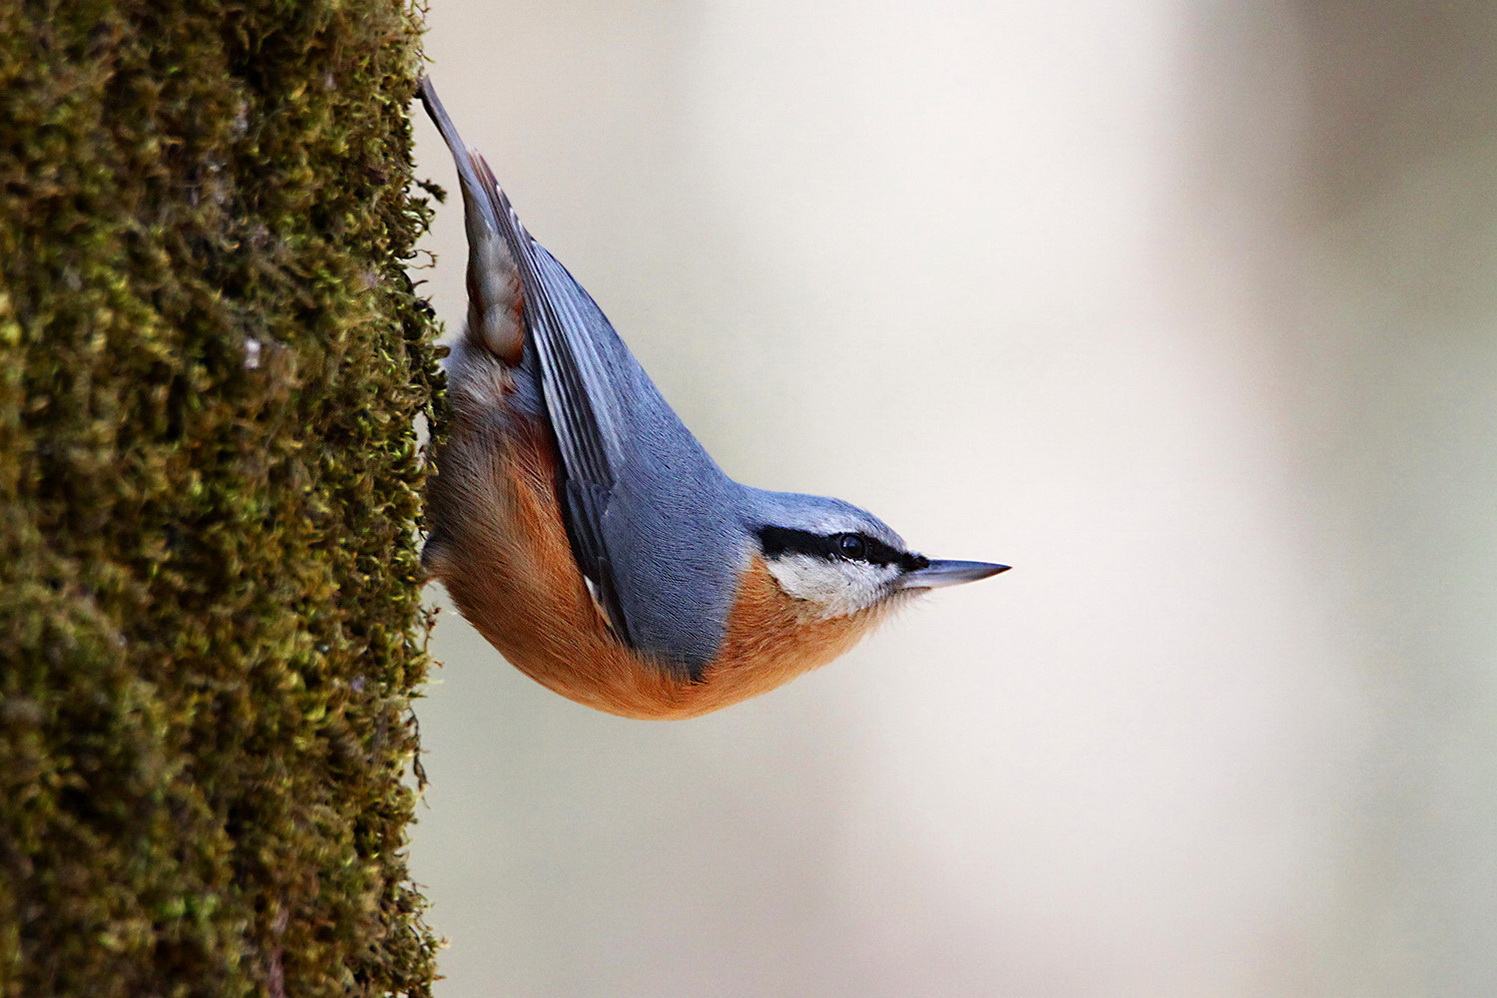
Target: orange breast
column 504, row 557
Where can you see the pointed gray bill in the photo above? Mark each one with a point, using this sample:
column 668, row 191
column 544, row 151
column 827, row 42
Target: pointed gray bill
column 939, row 574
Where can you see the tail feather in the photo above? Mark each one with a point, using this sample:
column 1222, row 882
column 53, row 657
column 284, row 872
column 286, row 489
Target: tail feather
column 496, row 291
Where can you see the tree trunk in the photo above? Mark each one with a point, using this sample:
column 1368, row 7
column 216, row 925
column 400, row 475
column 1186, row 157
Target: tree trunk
column 210, row 365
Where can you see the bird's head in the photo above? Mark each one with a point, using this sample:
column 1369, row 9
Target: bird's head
column 843, row 560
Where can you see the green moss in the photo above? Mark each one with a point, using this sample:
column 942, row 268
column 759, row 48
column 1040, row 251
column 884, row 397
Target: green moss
column 211, row 361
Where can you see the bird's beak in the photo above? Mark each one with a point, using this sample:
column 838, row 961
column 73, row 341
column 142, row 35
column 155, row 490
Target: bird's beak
column 939, row 574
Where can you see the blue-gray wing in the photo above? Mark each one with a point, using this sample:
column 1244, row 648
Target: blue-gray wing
column 646, row 507
column 583, row 409
column 577, row 385
column 647, row 511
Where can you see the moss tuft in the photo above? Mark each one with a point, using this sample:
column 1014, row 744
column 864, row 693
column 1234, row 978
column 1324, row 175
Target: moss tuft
column 211, row 361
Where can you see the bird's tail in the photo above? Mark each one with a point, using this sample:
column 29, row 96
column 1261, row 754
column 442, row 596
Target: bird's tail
column 496, row 241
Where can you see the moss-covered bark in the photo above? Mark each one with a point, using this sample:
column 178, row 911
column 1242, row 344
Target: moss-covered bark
column 210, row 364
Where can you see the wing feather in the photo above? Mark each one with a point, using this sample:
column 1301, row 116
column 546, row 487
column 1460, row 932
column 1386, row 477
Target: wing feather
column 583, row 405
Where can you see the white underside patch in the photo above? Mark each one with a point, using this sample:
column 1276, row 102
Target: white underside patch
column 838, row 588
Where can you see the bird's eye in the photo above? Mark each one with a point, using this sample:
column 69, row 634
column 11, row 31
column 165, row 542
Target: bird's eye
column 852, row 546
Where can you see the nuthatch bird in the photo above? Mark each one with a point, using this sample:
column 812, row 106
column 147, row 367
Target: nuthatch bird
column 584, row 531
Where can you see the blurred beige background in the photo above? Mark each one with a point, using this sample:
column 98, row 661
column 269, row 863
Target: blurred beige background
column 1186, row 310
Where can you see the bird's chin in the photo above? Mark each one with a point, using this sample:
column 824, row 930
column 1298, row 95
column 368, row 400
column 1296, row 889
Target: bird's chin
column 898, row 597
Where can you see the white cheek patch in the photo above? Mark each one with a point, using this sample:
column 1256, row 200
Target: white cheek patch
column 837, row 588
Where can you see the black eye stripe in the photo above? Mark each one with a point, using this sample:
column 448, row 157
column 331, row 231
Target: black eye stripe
column 777, row 541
